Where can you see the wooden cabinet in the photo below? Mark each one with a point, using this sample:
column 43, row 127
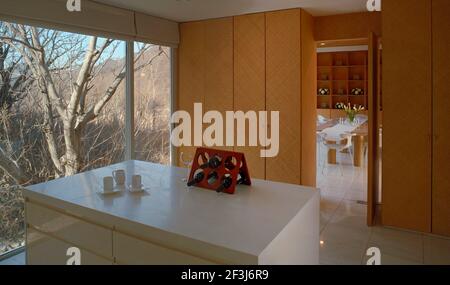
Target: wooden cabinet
column 218, row 80
column 441, row 118
column 205, row 69
column 249, row 79
column 256, row 62
column 407, row 114
column 191, row 74
column 283, row 92
column 308, row 98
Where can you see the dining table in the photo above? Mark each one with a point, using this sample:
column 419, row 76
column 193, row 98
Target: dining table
column 335, row 129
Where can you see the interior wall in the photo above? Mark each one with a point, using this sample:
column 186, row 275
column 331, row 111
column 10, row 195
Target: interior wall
column 347, row 26
column 268, row 51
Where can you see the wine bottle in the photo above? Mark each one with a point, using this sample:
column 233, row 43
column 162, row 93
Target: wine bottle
column 226, row 183
column 212, row 163
column 197, row 179
column 242, row 178
column 212, row 177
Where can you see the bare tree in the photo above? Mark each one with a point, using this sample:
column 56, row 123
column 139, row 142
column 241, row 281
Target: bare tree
column 50, row 54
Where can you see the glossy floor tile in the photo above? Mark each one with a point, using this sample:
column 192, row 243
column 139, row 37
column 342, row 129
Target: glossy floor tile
column 344, row 236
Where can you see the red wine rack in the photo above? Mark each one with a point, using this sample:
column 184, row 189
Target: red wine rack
column 232, row 164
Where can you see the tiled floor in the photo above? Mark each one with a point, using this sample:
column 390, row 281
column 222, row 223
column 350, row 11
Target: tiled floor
column 344, row 235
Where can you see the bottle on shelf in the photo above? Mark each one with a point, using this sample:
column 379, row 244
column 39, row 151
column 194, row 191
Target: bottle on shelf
column 212, row 163
column 242, row 178
column 226, row 183
column 197, row 179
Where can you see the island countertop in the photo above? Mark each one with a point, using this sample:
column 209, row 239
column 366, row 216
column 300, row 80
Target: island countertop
column 223, row 228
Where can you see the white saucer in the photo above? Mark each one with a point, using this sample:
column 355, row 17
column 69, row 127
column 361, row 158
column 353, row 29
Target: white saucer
column 137, row 190
column 115, row 190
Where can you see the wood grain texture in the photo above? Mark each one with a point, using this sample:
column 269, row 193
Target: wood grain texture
column 308, row 100
column 191, row 73
column 407, row 113
column 283, row 93
column 347, row 26
column 249, row 78
column 441, row 119
column 218, row 80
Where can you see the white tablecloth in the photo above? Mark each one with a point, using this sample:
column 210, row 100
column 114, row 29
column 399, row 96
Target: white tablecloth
column 338, row 131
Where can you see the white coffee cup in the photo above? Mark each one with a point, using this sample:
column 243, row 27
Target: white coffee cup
column 136, row 182
column 119, row 176
column 108, row 184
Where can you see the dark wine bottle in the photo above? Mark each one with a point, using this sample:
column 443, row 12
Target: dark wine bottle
column 212, row 163
column 197, row 179
column 226, row 183
column 242, row 178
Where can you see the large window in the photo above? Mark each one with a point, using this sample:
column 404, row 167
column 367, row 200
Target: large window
column 152, row 87
column 62, row 110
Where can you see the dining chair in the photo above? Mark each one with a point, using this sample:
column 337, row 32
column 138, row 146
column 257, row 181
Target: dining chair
column 337, row 146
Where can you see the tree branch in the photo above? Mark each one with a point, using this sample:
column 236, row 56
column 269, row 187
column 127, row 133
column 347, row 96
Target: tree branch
column 12, row 168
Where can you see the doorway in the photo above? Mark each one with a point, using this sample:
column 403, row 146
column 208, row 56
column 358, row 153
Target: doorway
column 347, row 139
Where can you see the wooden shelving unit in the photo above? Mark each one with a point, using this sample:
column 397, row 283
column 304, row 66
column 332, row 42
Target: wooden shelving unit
column 340, row 72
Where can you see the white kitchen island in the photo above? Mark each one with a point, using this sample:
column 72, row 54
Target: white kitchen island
column 266, row 223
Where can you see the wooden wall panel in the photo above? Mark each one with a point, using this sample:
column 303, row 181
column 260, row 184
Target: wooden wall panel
column 191, row 73
column 283, row 92
column 347, row 26
column 407, row 114
column 441, row 122
column 308, row 101
column 249, row 77
column 219, row 66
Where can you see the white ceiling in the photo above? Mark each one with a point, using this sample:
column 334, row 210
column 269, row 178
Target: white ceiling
column 189, row 10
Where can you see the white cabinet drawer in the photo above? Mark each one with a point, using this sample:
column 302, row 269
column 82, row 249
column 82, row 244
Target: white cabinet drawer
column 45, row 250
column 73, row 230
column 129, row 250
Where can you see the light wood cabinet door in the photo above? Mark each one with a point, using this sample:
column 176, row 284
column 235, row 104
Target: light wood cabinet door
column 308, row 101
column 249, row 79
column 283, row 94
column 191, row 75
column 219, row 67
column 407, row 113
column 441, row 118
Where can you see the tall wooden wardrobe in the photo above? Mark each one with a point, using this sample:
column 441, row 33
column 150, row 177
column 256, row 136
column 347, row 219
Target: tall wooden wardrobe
column 259, row 62
column 416, row 121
